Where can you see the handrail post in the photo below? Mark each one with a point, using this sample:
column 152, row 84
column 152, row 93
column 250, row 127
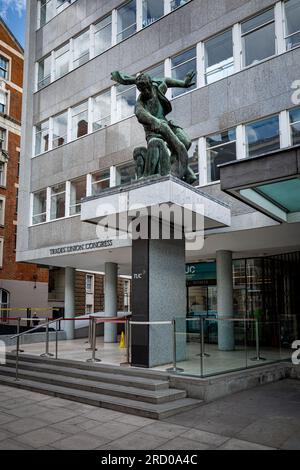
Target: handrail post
column 56, row 339
column 174, row 368
column 18, row 332
column 94, row 328
column 258, row 356
column 90, row 335
column 202, row 350
column 47, row 353
column 17, row 358
column 127, row 343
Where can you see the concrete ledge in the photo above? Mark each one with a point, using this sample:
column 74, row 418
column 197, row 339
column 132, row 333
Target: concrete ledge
column 33, row 338
column 210, row 389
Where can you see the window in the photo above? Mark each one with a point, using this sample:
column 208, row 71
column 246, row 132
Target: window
column 4, row 296
column 292, row 23
column 295, row 126
column 100, row 181
column 258, row 35
column 58, row 201
column 101, row 111
column 126, row 174
column 62, row 61
column 126, row 23
column 60, row 130
column 89, row 283
column 262, row 136
column 4, row 63
column 3, row 101
column 181, row 65
column 126, row 99
column 44, row 72
column 51, row 8
column 178, row 3
column 156, row 72
column 221, row 148
column 77, row 192
column 81, row 49
column 62, row 4
column 194, row 159
column 2, row 210
column 89, row 309
column 80, row 120
column 152, row 11
column 2, row 139
column 2, row 173
column 42, row 138
column 103, row 35
column 39, row 207
column 218, row 57
column 46, row 11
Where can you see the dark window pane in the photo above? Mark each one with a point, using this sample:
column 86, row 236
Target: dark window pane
column 257, row 21
column 259, row 45
column 263, row 136
column 217, row 156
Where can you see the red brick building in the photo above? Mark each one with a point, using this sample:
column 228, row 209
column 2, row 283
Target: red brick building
column 21, row 285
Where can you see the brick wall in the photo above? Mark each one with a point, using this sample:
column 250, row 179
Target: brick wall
column 80, row 293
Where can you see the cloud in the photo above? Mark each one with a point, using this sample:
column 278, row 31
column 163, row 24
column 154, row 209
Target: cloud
column 16, row 6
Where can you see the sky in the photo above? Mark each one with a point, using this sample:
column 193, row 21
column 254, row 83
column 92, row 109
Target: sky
column 13, row 13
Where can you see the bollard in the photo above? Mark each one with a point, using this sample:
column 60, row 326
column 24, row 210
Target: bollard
column 127, row 343
column 258, row 356
column 94, row 328
column 47, row 353
column 174, row 368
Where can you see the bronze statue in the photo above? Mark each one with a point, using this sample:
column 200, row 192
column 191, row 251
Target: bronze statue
column 168, row 144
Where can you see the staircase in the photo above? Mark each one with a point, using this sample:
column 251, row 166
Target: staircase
column 128, row 390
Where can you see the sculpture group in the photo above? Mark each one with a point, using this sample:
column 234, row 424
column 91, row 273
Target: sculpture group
column 167, row 143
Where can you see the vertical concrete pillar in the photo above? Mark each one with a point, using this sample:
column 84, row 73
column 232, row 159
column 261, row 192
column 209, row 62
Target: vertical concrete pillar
column 69, row 301
column 110, row 301
column 225, row 300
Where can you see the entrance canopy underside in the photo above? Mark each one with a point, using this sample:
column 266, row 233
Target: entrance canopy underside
column 269, row 183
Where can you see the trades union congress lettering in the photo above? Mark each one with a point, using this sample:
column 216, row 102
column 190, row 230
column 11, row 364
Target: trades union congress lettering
column 81, row 247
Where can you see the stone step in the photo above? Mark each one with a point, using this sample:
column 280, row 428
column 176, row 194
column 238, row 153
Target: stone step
column 138, row 408
column 97, row 376
column 107, row 368
column 131, row 393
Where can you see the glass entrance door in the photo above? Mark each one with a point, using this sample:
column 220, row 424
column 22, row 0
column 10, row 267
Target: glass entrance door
column 202, row 301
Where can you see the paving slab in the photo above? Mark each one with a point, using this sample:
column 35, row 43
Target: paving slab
column 112, row 430
column 135, row 441
column 41, row 437
column 82, row 441
column 21, row 426
column 237, row 444
column 205, row 437
column 181, row 443
column 165, row 430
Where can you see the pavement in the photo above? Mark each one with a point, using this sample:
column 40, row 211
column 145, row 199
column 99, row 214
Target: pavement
column 264, row 418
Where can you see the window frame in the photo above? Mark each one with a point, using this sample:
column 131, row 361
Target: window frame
column 207, row 149
column 255, row 29
column 54, row 196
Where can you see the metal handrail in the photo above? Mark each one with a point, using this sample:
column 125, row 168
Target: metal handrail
column 43, row 325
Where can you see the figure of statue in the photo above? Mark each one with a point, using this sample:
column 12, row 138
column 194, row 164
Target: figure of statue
column 167, row 143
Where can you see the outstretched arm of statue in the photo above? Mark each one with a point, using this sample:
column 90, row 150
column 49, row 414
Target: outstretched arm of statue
column 186, row 83
column 122, row 78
